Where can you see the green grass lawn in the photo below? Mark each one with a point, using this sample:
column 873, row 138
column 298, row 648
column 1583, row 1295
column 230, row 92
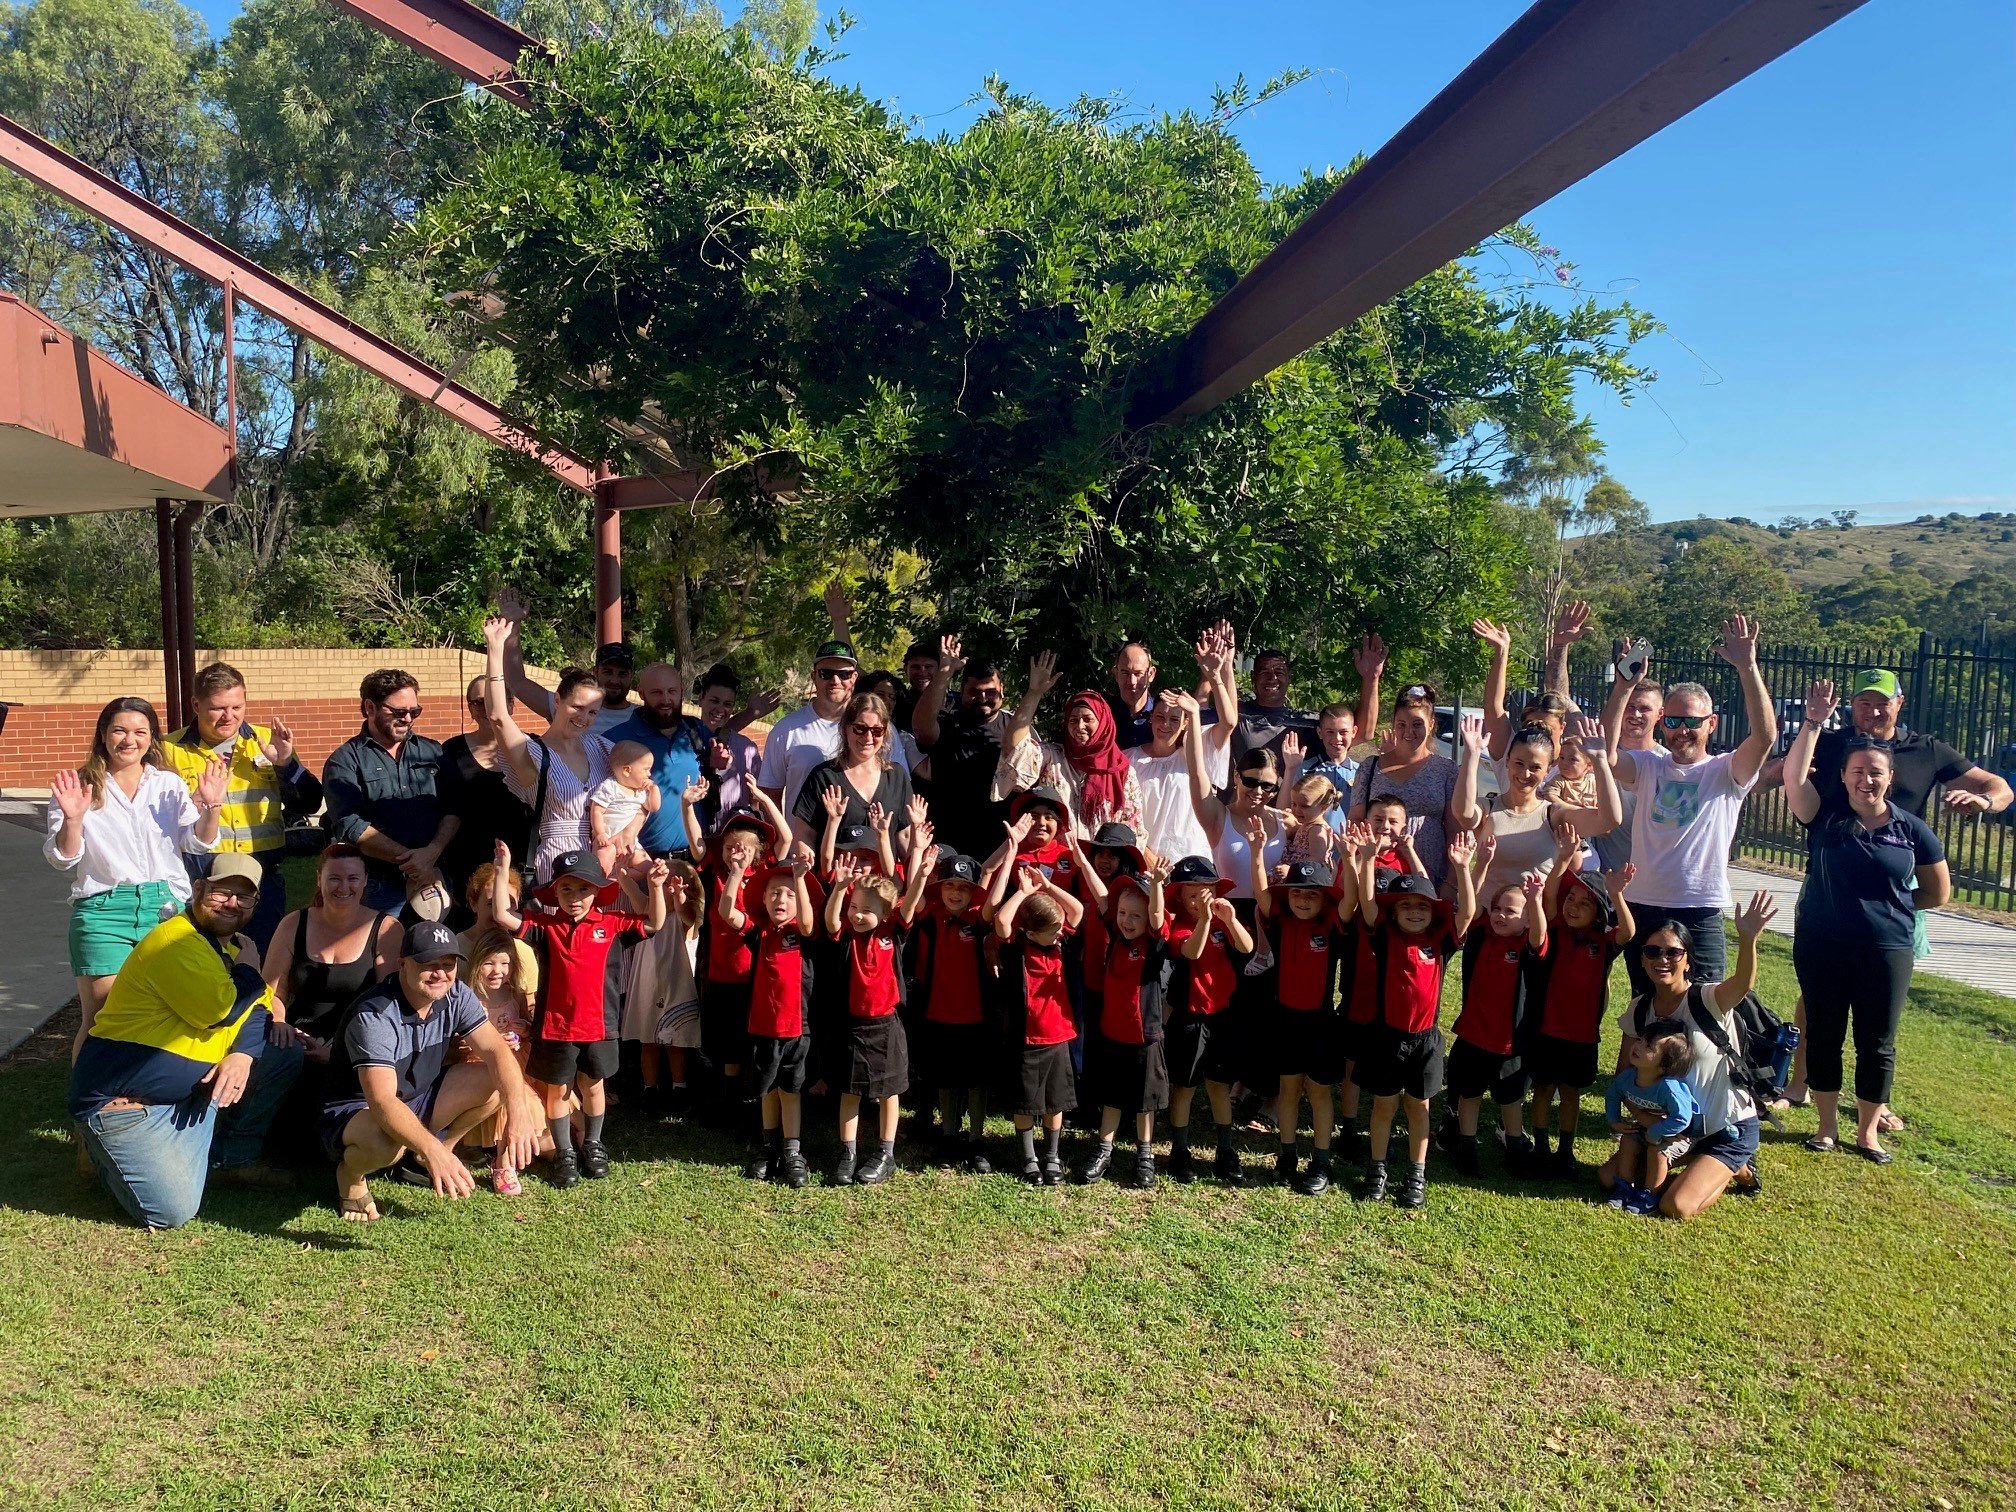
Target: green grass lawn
column 677, row 1336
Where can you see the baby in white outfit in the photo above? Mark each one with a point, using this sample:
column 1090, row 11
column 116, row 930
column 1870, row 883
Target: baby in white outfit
column 620, row 806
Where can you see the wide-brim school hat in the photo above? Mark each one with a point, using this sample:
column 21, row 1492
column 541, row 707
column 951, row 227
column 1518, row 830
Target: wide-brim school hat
column 1196, row 869
column 1121, row 839
column 1598, row 889
column 1408, row 884
column 1043, row 792
column 1310, row 874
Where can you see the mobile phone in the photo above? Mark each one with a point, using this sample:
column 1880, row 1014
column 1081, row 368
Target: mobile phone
column 1634, row 659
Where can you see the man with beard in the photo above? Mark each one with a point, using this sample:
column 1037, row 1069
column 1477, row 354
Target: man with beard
column 175, row 1083
column 679, row 745
column 965, row 748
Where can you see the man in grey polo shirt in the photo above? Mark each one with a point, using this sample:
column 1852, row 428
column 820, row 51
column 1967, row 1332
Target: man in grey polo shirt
column 401, row 1093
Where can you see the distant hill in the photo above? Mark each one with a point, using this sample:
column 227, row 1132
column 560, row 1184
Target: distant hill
column 1945, row 548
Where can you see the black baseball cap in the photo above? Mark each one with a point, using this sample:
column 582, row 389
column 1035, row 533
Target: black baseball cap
column 958, row 868
column 1308, row 874
column 581, row 864
column 1408, row 884
column 615, row 654
column 835, row 650
column 429, row 941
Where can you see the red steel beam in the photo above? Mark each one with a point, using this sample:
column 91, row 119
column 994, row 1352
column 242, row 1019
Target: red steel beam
column 461, row 37
column 1569, row 86
column 47, row 165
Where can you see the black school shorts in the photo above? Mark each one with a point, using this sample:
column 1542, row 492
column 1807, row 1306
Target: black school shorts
column 1474, row 1071
column 878, row 1057
column 778, row 1064
column 956, row 1057
column 1308, row 1043
column 1132, row 1078
column 724, row 1023
column 1391, row 1064
column 1555, row 1062
column 558, row 1062
column 1200, row 1048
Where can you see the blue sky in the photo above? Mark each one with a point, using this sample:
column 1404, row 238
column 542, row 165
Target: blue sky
column 1832, row 243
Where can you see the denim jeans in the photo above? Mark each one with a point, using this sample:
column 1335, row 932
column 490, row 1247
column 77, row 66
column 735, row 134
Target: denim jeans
column 385, row 897
column 155, row 1159
column 1710, row 959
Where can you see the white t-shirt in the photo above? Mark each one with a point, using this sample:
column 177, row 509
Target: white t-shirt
column 795, row 745
column 1169, row 824
column 1681, row 827
column 618, row 803
column 606, row 718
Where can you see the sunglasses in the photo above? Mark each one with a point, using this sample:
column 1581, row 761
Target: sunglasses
column 1685, row 721
column 1259, row 785
column 410, row 711
column 1663, row 953
column 868, row 731
column 833, row 674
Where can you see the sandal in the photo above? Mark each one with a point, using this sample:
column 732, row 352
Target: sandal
column 1889, row 1123
column 1872, row 1155
column 1823, row 1144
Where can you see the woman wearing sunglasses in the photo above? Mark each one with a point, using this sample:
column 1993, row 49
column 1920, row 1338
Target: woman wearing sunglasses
column 1724, row 1146
column 1409, row 768
column 1872, row 866
column 867, row 771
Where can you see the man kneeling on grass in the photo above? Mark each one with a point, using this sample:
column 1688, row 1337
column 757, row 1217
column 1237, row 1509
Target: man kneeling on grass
column 405, row 1097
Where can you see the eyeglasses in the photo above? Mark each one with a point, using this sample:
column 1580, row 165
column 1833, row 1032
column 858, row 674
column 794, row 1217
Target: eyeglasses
column 833, row 674
column 407, row 712
column 1259, row 785
column 1663, row 953
column 1685, row 721
column 868, row 731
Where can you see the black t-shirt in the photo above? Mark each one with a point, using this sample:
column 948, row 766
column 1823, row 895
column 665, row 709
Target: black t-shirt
column 488, row 809
column 1131, row 730
column 1918, row 764
column 1858, row 881
column 962, row 775
column 1261, row 727
column 892, row 791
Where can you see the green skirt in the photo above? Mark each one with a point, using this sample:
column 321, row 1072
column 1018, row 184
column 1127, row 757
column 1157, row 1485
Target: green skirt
column 106, row 926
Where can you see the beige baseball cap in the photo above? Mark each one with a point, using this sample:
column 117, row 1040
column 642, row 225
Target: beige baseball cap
column 236, row 864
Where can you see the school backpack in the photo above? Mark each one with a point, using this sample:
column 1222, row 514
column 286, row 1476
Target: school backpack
column 1761, row 1058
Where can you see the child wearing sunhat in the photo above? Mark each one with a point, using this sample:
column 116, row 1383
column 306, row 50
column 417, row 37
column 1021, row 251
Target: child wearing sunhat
column 1303, row 914
column 1204, row 935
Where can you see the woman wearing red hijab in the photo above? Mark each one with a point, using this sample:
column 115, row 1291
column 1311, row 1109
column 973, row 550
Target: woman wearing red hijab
column 1088, row 766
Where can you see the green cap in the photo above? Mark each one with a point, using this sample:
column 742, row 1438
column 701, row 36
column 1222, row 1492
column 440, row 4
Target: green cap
column 1875, row 680
column 835, row 650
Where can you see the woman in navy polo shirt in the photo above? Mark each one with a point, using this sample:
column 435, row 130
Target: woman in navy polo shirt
column 1871, row 867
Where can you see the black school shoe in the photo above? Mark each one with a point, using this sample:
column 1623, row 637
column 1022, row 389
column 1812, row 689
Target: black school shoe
column 1519, row 1156
column 1092, row 1169
column 1182, row 1166
column 1315, row 1181
column 1462, row 1152
column 762, row 1166
column 1414, row 1191
column 563, row 1170
column 1561, row 1165
column 1032, row 1171
column 594, row 1159
column 843, row 1170
column 1226, row 1167
column 1053, row 1170
column 1373, row 1187
column 875, row 1170
column 1143, row 1179
column 1285, row 1166
column 975, row 1163
column 1346, row 1142
column 790, row 1168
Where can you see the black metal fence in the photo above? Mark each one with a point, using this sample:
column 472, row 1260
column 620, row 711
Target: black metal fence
column 1962, row 692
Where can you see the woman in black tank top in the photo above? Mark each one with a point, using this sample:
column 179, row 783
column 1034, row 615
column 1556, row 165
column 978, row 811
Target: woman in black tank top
column 312, row 994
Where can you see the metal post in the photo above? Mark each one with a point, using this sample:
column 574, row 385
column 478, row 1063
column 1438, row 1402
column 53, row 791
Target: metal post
column 171, row 618
column 608, row 568
column 185, row 605
column 231, row 375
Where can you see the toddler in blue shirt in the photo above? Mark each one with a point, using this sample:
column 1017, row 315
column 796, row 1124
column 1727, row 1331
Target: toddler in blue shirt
column 1650, row 1106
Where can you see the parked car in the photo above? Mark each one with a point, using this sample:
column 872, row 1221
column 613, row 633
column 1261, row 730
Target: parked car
column 1446, row 744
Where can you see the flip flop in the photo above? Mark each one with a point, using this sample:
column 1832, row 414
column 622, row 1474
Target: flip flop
column 358, row 1209
column 1890, row 1123
column 1822, row 1144
column 1873, row 1156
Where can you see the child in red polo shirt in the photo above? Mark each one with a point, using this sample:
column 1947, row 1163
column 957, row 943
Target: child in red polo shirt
column 1204, row 932
column 732, row 860
column 1038, row 822
column 574, row 1026
column 1593, row 924
column 1303, row 915
column 956, row 1043
column 780, row 1014
column 1499, row 956
column 1124, row 1064
column 865, row 913
column 1031, row 922
column 1410, row 934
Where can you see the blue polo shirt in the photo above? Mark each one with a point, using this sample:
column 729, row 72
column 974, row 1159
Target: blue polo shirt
column 1858, row 881
column 675, row 754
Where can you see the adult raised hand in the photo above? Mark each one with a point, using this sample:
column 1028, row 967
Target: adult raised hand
column 950, row 657
column 1492, row 634
column 764, row 704
column 497, row 630
column 1820, row 702
column 1753, row 916
column 510, row 606
column 280, row 749
column 1572, row 623
column 213, row 784
column 71, row 797
column 1370, row 657
column 1042, row 673
column 1739, row 641
column 1470, row 734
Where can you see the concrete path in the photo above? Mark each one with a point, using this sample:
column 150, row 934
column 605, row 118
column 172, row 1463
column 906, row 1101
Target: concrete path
column 35, row 980
column 1965, row 950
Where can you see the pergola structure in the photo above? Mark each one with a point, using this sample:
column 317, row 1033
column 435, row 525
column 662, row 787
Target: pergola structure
column 1569, row 86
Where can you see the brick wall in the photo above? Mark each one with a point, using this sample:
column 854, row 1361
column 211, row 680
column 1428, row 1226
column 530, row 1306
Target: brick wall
column 313, row 691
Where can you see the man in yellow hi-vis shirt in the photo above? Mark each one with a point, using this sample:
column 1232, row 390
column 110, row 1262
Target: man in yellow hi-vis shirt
column 176, row 1082
column 269, row 786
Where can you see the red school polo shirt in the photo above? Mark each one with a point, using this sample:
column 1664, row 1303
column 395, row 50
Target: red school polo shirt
column 780, row 986
column 1578, row 985
column 729, row 958
column 874, row 979
column 1211, row 976
column 1047, row 1016
column 954, row 965
column 1493, row 986
column 1305, row 949
column 1126, row 1010
column 1411, row 992
column 575, row 1004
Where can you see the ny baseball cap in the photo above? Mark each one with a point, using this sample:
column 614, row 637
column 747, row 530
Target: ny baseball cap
column 1875, row 680
column 429, row 941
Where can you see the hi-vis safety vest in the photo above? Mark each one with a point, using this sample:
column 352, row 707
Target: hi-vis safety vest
column 253, row 818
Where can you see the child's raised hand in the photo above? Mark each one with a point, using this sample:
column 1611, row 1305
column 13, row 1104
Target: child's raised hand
column 1018, row 830
column 1254, row 830
column 834, row 801
column 1463, row 848
column 923, row 835
column 1158, row 871
column 1291, row 752
column 658, row 872
column 1029, row 879
column 1223, row 911
column 1532, row 884
column 1621, row 878
column 878, row 819
column 917, row 809
column 500, row 856
column 1588, row 732
column 1567, row 841
column 800, row 861
column 696, row 790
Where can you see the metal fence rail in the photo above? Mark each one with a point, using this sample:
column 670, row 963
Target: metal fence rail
column 1962, row 692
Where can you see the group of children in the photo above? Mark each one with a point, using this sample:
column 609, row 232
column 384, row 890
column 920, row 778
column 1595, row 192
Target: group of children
column 1063, row 970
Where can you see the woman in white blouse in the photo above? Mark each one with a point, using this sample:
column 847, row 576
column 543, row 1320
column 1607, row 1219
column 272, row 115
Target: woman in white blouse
column 120, row 826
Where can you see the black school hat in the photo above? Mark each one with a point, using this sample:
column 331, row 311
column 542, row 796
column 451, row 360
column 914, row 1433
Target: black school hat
column 1192, row 869
column 1600, row 891
column 1408, row 884
column 1043, row 792
column 1312, row 874
column 958, row 868
column 857, row 837
column 582, row 864
column 743, row 817
column 1121, row 838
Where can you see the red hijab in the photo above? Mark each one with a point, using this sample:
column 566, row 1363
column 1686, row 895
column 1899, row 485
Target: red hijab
column 1099, row 761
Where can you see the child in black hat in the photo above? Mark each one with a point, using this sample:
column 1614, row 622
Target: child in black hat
column 956, row 1042
column 1031, row 923
column 1124, row 1063
column 1501, row 953
column 1204, row 934
column 1303, row 914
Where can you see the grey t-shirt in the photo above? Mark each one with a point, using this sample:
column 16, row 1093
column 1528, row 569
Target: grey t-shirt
column 384, row 1031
